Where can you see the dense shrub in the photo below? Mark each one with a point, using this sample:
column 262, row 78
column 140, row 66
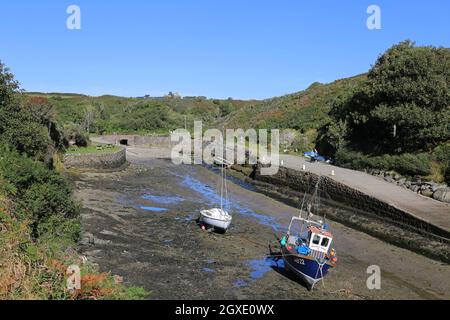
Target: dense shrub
column 81, row 139
column 38, row 218
column 406, row 164
column 151, row 117
column 411, row 164
column 447, row 175
column 442, row 153
column 26, row 125
column 43, row 195
column 403, row 106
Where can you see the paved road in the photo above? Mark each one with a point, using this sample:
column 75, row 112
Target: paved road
column 427, row 209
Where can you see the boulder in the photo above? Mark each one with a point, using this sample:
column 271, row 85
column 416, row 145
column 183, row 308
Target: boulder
column 442, row 195
column 436, row 187
column 427, row 193
column 388, row 179
column 87, row 239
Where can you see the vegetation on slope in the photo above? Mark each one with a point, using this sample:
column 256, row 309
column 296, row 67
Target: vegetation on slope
column 80, row 114
column 302, row 111
column 39, row 221
column 399, row 118
column 396, row 117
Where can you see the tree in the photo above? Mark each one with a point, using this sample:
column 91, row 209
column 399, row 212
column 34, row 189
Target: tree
column 226, row 108
column 27, row 125
column 404, row 105
column 8, row 86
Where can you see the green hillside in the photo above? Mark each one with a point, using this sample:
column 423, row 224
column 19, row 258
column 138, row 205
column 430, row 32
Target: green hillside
column 394, row 117
column 158, row 115
column 303, row 110
column 39, row 219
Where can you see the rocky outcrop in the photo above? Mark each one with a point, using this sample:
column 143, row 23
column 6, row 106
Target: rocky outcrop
column 428, row 189
column 442, row 194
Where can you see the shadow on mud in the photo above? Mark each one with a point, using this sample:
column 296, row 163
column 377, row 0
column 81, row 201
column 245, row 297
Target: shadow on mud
column 279, row 267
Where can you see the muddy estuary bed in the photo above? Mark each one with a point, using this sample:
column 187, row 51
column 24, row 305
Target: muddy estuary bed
column 140, row 223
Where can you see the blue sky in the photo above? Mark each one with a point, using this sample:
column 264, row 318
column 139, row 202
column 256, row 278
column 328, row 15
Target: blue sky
column 216, row 48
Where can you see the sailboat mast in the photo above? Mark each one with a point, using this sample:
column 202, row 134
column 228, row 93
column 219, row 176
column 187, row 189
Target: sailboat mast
column 221, row 188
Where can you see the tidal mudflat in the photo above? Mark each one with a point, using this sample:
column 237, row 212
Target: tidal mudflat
column 140, row 223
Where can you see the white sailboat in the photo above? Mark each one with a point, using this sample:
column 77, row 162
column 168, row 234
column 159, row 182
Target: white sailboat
column 219, row 218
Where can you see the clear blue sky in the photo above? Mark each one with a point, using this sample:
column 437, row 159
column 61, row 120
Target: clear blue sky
column 216, row 48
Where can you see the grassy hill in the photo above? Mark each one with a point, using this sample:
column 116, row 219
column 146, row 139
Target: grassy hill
column 400, row 108
column 303, row 110
column 108, row 114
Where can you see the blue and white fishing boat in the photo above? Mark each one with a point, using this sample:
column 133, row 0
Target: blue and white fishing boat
column 307, row 248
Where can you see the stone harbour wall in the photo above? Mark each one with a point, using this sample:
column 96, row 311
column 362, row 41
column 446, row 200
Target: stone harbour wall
column 138, row 141
column 292, row 183
column 103, row 161
column 352, row 208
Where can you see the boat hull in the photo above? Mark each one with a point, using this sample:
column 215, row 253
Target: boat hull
column 215, row 222
column 307, row 268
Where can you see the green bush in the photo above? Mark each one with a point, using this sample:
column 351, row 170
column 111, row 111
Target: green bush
column 411, row 165
column 405, row 164
column 42, row 195
column 442, row 153
column 402, row 107
column 447, row 175
column 81, row 139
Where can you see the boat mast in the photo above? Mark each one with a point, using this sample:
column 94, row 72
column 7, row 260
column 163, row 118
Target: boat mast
column 315, row 195
column 221, row 187
column 223, row 184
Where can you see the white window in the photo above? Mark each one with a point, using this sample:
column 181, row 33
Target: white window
column 320, row 243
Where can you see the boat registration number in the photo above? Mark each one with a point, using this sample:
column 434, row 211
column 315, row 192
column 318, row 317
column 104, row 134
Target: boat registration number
column 300, row 261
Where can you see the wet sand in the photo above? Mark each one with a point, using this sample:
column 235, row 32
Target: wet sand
column 140, row 224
